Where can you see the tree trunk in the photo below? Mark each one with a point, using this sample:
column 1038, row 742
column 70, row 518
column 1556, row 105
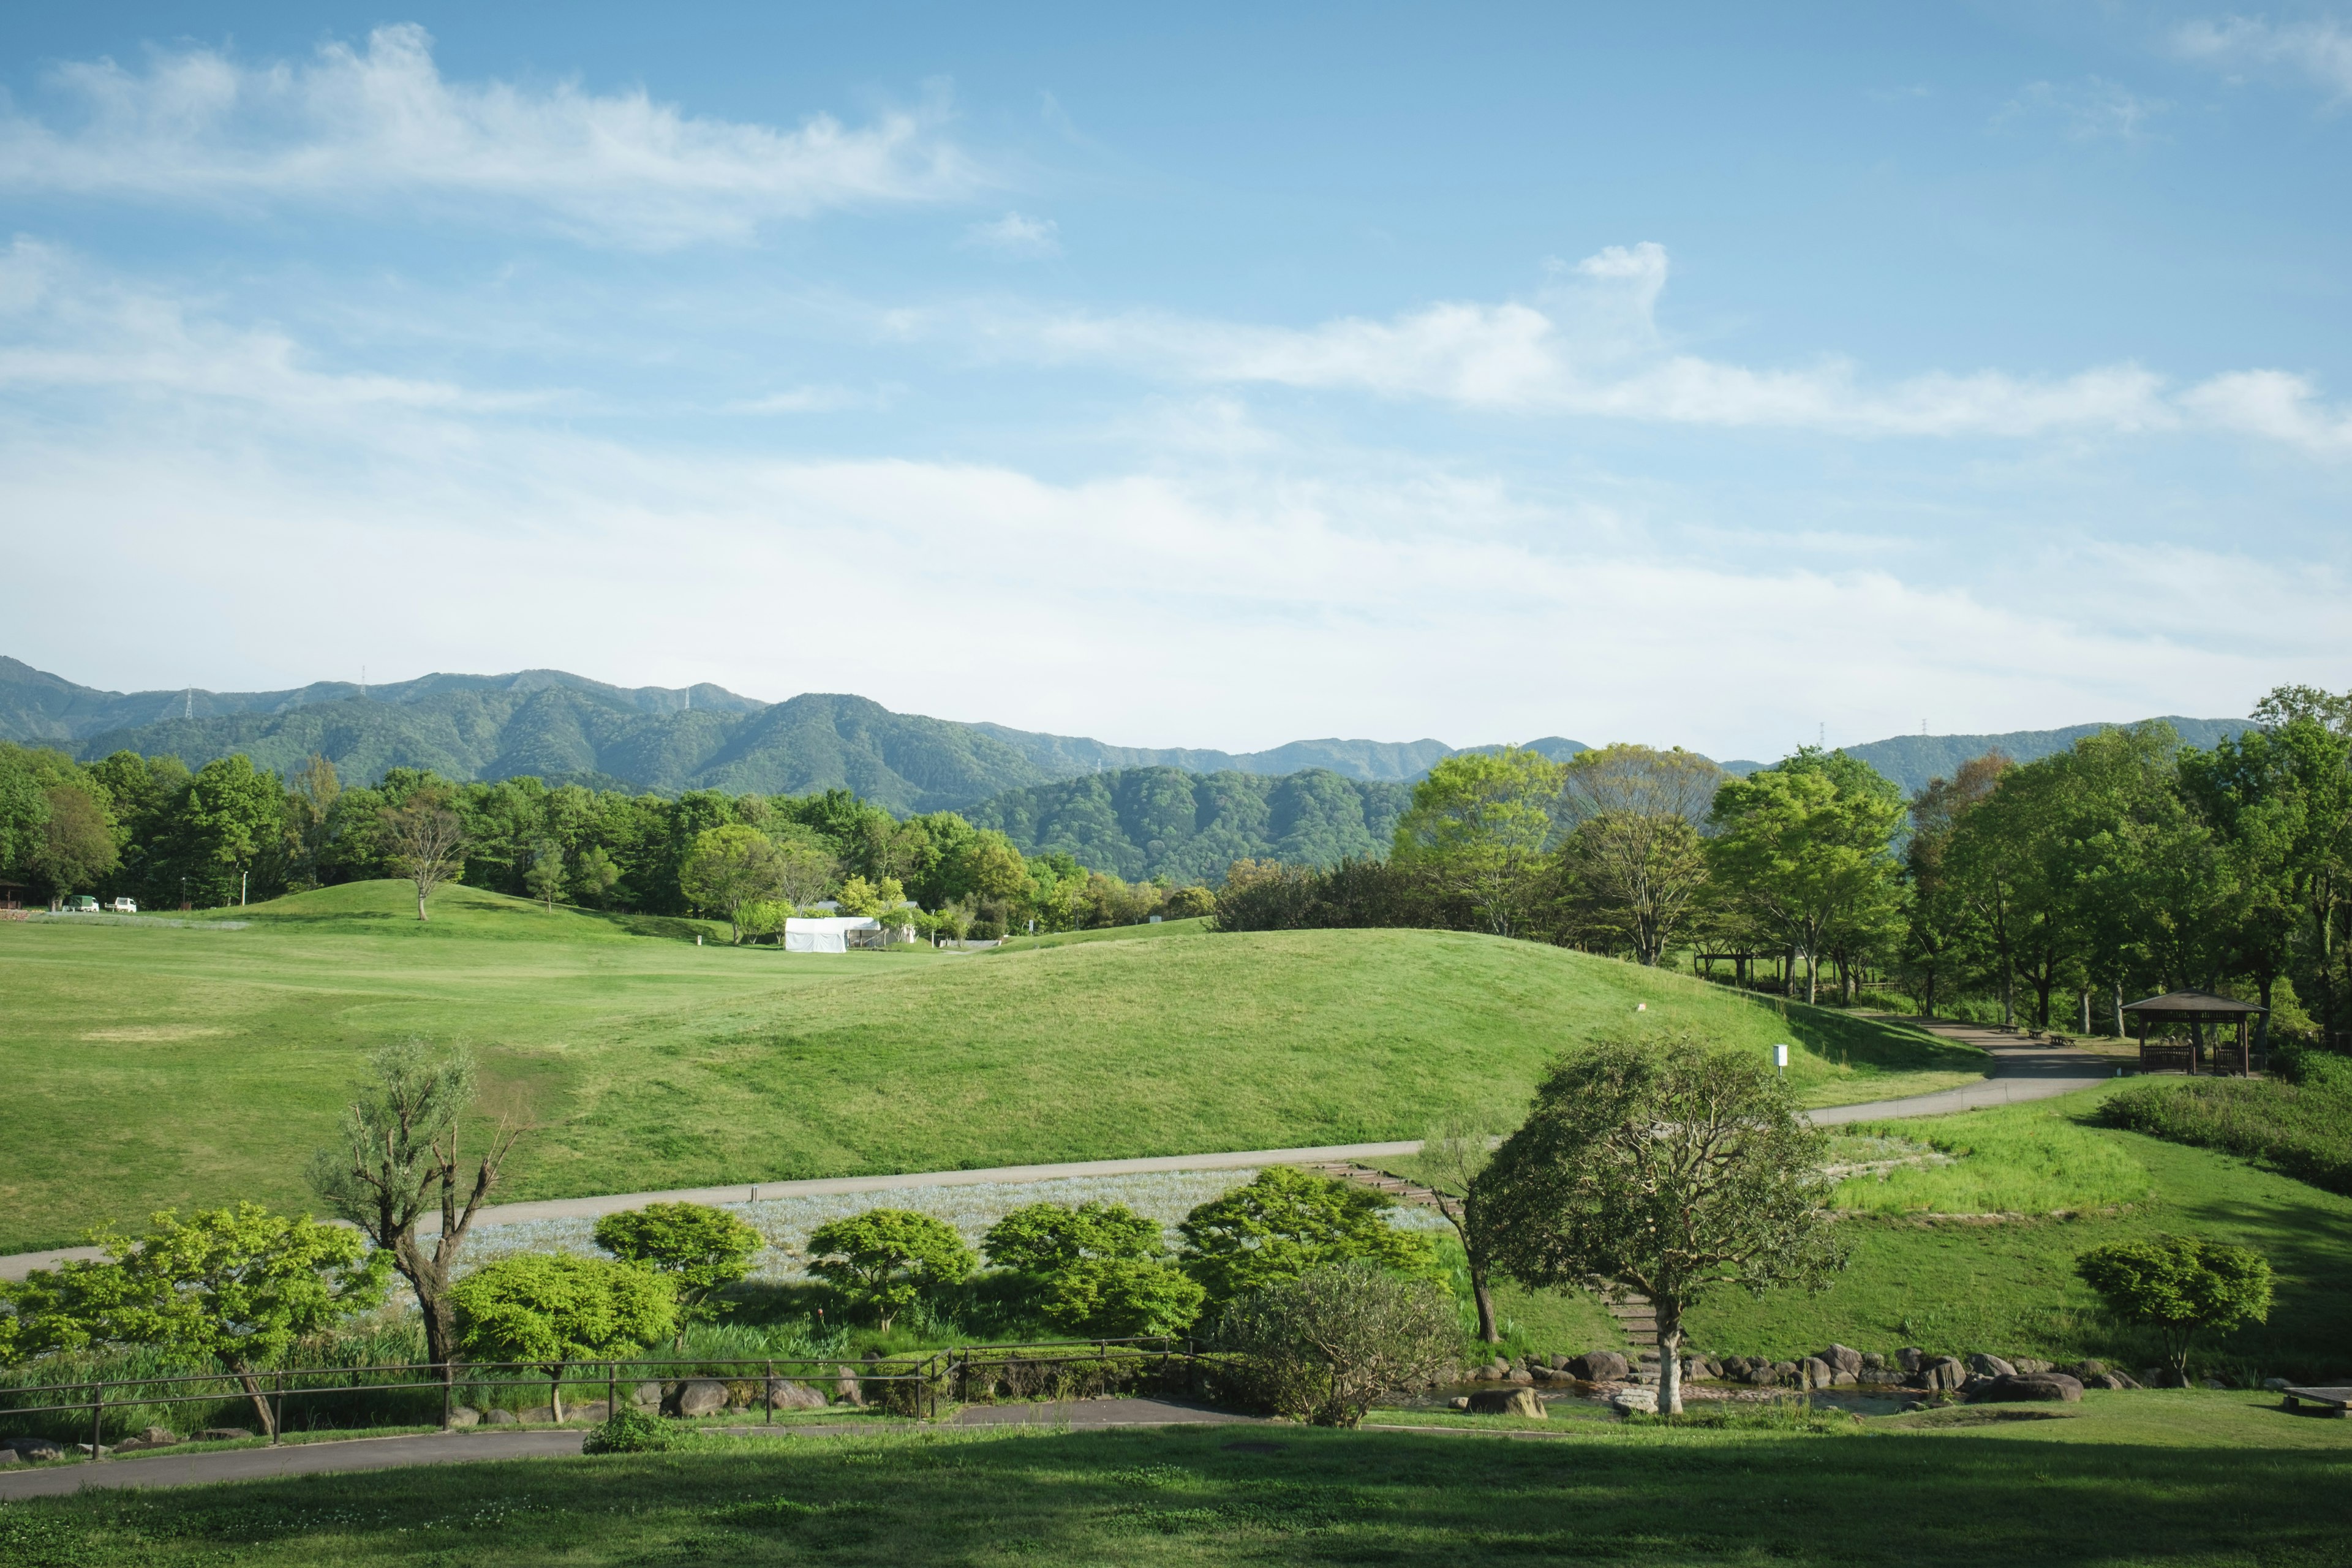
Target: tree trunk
column 555, row 1396
column 420, row 903
column 2008, row 995
column 261, row 1406
column 1812, row 977
column 1928, row 1003
column 2262, row 1019
column 1485, row 1301
column 2086, row 1011
column 1670, row 1357
column 2116, row 988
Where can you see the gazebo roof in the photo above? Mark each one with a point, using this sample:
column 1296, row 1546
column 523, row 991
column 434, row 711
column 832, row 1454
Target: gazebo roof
column 2193, row 1004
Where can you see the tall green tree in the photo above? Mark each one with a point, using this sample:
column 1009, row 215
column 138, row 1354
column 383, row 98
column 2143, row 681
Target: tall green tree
column 700, row 1250
column 1667, row 1164
column 1807, row 848
column 232, row 818
column 887, row 1261
column 729, row 868
column 1286, row 1222
column 1938, row 930
column 1482, row 823
column 1633, row 857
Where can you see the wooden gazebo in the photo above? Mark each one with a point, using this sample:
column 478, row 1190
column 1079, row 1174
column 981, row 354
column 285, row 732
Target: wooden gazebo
column 2196, row 1009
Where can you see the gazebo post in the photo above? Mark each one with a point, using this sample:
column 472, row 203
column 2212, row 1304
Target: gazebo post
column 2143, row 1042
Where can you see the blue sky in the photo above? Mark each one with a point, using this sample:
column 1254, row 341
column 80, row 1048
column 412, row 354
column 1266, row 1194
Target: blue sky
column 1695, row 374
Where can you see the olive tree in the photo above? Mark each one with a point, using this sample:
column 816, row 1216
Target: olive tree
column 1667, row 1165
column 1324, row 1346
column 2179, row 1287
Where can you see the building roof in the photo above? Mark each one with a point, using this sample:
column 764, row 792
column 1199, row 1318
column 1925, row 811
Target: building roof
column 2190, row 1004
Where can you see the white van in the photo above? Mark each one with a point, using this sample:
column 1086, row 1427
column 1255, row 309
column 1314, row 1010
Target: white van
column 124, row 906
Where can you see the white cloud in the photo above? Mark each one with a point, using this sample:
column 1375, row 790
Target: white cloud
column 362, row 129
column 1595, row 351
column 1393, row 597
column 2320, row 49
column 1013, row 235
column 2272, row 404
column 808, row 400
column 2092, row 109
column 63, row 329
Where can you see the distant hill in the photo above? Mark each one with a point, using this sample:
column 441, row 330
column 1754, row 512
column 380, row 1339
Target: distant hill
column 1144, row 822
column 561, row 726
column 1912, row 761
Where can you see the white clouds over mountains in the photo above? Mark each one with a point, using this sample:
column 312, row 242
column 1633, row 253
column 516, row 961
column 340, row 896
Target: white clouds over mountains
column 1592, row 348
column 361, row 130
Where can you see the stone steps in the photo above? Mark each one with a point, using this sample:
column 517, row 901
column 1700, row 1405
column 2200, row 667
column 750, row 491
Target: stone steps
column 1637, row 1320
column 1396, row 1187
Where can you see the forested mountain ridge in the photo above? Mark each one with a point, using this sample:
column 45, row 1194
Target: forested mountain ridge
column 1151, row 822
column 566, row 728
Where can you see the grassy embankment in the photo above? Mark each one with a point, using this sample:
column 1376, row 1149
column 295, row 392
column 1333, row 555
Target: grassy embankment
column 2187, row 1479
column 162, row 1066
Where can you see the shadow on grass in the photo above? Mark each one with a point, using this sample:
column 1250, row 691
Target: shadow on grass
column 1214, row 1496
column 1879, row 1043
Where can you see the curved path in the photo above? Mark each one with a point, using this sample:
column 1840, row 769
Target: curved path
column 2023, row 1070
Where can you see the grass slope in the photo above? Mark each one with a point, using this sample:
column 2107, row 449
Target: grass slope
column 2010, row 1287
column 159, row 1066
column 2187, row 1480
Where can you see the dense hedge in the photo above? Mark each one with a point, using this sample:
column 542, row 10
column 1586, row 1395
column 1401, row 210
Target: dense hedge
column 1260, row 895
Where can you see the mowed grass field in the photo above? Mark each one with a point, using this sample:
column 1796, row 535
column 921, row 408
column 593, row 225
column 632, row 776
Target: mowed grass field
column 154, row 1066
column 2184, row 1478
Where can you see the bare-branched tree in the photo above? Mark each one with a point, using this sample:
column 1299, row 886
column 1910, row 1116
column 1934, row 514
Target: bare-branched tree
column 1451, row 1158
column 399, row 1160
column 425, row 842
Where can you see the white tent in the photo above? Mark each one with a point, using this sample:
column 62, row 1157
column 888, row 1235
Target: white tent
column 830, row 934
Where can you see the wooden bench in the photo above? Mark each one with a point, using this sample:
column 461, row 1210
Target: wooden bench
column 2335, row 1401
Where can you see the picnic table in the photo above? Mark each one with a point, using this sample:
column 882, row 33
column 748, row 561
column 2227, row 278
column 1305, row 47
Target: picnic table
column 2338, row 1401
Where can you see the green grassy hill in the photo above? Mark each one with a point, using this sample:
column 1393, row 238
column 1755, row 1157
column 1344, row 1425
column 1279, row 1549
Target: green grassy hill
column 151, row 1066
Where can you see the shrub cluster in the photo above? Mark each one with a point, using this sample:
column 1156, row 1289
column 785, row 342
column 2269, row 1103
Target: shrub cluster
column 2301, row 1129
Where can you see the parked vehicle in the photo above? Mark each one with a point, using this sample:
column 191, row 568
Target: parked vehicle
column 80, row 904
column 124, row 906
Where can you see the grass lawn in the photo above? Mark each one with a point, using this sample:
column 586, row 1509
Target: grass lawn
column 2175, row 1478
column 159, row 1066
column 1194, row 925
column 2008, row 1285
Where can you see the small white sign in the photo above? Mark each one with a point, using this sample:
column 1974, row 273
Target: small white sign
column 1779, row 1055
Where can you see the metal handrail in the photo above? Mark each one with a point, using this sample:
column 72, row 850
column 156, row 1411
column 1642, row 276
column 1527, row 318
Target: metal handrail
column 276, row 1384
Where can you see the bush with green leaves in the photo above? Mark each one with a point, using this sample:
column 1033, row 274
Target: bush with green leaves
column 241, row 1286
column 1324, row 1347
column 2179, row 1287
column 1289, row 1222
column 1098, row 1269
column 544, row 1309
column 886, row 1261
column 702, row 1250
column 635, row 1432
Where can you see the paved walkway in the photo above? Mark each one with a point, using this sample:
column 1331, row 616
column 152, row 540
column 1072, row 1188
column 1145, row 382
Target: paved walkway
column 2024, row 1071
column 196, row 1467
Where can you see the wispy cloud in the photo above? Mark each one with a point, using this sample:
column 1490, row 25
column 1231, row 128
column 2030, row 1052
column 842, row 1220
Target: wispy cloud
column 367, row 128
column 63, row 328
column 1014, row 235
column 2320, row 49
column 1591, row 347
column 2092, row 109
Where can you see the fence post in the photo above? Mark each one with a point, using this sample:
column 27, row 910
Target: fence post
column 768, row 1390
column 96, row 1418
column 277, row 1425
column 448, row 1396
column 611, row 1389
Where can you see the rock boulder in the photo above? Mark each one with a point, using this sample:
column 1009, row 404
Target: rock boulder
column 790, row 1395
column 1843, row 1358
column 1599, row 1366
column 2051, row 1387
column 701, row 1396
column 1984, row 1365
column 465, row 1416
column 1507, row 1402
column 1910, row 1358
column 1941, row 1374
column 222, row 1435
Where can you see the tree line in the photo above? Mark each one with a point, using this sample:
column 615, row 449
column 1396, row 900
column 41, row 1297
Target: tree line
column 227, row 833
column 2048, row 891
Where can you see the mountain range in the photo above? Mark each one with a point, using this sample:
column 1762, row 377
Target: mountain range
column 1137, row 810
